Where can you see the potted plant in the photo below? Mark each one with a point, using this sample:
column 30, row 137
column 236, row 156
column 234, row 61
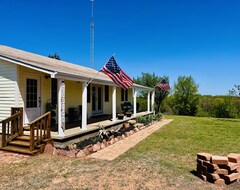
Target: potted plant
column 120, row 116
column 129, row 114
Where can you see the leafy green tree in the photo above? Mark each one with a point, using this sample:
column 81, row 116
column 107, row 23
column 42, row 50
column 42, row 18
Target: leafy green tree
column 54, row 56
column 186, row 96
column 151, row 80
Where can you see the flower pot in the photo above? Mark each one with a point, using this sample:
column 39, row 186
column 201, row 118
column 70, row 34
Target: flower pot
column 129, row 114
column 126, row 125
column 120, row 116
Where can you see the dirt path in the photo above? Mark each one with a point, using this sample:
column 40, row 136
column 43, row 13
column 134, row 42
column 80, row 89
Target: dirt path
column 115, row 150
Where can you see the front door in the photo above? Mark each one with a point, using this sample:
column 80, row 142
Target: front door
column 32, row 99
column 97, row 97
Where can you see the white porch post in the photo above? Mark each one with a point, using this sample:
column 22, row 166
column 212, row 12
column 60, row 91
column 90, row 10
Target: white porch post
column 148, row 102
column 134, row 101
column 153, row 100
column 61, row 107
column 84, row 105
column 114, row 103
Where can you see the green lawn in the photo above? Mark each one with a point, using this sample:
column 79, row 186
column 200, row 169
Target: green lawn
column 174, row 147
column 164, row 160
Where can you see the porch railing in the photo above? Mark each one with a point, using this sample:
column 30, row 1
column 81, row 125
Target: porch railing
column 40, row 130
column 12, row 126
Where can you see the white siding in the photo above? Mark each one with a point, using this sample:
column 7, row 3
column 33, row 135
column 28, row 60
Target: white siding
column 8, row 78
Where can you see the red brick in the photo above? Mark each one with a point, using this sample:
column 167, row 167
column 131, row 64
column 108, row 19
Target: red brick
column 230, row 166
column 220, row 160
column 203, row 177
column 221, row 171
column 201, row 169
column 204, row 156
column 48, row 149
column 212, row 176
column 220, row 181
column 210, row 166
column 199, row 161
column 232, row 157
column 231, row 177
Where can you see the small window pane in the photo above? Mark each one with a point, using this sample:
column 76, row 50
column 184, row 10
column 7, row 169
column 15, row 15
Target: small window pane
column 122, row 94
column 106, row 93
column 126, row 95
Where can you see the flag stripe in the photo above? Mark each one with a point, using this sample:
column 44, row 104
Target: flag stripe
column 163, row 85
column 118, row 76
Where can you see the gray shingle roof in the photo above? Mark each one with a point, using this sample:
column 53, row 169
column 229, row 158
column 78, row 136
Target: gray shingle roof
column 53, row 65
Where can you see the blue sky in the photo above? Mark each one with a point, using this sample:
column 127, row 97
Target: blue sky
column 168, row 37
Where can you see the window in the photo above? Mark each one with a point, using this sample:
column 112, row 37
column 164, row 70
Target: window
column 124, row 95
column 106, row 93
column 54, row 92
column 31, row 93
column 88, row 94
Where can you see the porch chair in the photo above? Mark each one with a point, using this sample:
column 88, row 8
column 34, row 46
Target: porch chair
column 126, row 107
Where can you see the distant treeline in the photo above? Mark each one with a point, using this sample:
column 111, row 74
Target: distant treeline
column 208, row 106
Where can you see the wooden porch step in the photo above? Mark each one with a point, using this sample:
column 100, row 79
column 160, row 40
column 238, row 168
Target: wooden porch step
column 26, row 128
column 20, row 143
column 17, row 149
column 25, row 138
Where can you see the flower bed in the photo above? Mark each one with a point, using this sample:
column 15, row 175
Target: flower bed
column 104, row 139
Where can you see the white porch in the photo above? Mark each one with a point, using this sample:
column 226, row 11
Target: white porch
column 74, row 134
column 63, row 133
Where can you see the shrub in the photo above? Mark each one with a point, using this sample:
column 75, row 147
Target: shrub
column 141, row 120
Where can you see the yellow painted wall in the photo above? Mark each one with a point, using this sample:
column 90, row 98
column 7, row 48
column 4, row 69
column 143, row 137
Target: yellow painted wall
column 45, row 88
column 73, row 94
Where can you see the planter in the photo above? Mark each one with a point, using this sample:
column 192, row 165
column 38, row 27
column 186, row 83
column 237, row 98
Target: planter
column 129, row 114
column 120, row 116
column 126, row 125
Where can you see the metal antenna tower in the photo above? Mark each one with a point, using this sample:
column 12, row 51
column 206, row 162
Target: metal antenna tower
column 92, row 38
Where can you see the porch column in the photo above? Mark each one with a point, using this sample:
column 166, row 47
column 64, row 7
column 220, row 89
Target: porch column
column 153, row 100
column 134, row 101
column 61, row 107
column 114, row 103
column 84, row 105
column 148, row 102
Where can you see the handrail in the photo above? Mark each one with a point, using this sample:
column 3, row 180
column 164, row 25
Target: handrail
column 12, row 127
column 40, row 130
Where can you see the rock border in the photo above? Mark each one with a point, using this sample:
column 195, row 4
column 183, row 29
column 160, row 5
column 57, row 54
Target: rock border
column 74, row 152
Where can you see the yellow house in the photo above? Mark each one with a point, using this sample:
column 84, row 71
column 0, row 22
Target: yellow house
column 40, row 84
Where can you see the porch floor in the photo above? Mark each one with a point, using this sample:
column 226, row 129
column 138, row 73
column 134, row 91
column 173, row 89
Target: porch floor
column 92, row 128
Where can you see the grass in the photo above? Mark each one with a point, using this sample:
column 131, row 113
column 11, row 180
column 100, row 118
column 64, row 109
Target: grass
column 164, row 160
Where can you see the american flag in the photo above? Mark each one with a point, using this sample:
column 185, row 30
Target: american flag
column 118, row 76
column 163, row 85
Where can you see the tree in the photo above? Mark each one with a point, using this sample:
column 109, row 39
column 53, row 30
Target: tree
column 186, row 96
column 54, row 56
column 235, row 91
column 151, row 80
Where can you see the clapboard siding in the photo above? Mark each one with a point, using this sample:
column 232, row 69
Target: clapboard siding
column 8, row 78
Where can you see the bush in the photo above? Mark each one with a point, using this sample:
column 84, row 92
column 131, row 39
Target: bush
column 142, row 120
column 223, row 108
column 142, row 104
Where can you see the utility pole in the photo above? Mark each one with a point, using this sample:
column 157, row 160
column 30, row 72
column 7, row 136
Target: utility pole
column 92, row 38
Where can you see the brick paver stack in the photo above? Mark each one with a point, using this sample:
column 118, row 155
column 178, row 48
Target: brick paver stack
column 218, row 169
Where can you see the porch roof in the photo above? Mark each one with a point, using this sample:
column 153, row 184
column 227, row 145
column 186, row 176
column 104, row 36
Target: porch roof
column 55, row 68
